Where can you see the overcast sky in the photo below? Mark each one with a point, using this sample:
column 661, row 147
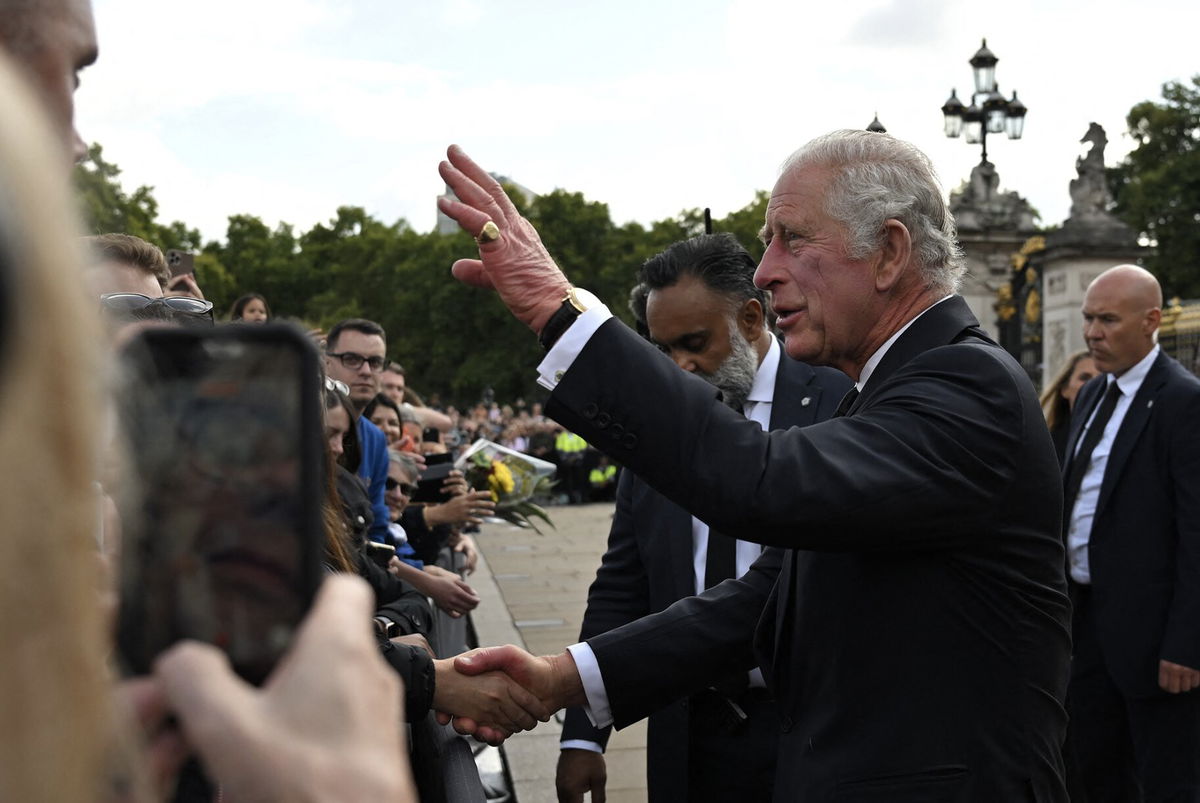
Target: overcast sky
column 287, row 109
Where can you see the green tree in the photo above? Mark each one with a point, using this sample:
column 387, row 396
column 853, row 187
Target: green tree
column 106, row 207
column 1157, row 186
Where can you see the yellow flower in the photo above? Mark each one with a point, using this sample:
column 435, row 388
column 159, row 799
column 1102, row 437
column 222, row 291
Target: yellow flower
column 503, row 476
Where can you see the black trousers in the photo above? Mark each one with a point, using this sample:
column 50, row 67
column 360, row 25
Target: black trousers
column 1121, row 749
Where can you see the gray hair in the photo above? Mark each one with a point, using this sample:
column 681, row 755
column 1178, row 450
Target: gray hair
column 404, row 461
column 879, row 178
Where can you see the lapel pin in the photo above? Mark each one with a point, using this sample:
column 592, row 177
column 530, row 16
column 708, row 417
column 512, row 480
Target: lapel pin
column 1149, row 404
column 804, row 402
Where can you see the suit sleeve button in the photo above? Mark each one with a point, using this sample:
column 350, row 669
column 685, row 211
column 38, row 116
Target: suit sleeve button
column 630, row 441
column 591, row 411
column 603, row 420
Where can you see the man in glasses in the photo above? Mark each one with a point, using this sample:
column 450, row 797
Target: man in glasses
column 355, row 351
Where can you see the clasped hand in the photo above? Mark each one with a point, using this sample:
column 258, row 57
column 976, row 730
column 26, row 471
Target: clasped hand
column 494, row 692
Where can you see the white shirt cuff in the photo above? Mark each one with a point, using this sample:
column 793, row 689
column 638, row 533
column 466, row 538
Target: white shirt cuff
column 580, row 744
column 563, row 353
column 597, row 709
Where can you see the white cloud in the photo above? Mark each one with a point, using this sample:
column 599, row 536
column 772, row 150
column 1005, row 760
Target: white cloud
column 636, row 106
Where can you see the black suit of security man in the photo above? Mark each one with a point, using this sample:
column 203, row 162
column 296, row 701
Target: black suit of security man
column 647, row 567
column 1143, row 604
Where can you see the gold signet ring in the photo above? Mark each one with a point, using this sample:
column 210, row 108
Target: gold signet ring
column 489, row 233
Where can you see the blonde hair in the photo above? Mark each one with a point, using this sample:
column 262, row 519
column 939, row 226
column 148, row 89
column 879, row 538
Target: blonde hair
column 54, row 689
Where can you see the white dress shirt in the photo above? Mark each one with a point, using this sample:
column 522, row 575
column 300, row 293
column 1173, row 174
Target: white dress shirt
column 1079, row 532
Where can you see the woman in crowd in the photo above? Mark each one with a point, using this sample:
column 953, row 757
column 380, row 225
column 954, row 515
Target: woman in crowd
column 385, row 414
column 250, row 308
column 1058, row 398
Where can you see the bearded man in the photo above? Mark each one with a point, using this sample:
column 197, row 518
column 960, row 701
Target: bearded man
column 697, row 302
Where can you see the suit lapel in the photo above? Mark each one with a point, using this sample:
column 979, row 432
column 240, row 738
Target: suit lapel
column 1135, row 420
column 944, row 323
column 797, row 398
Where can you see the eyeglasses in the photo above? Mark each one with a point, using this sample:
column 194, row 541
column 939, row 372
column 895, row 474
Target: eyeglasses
column 354, row 361
column 340, row 387
column 406, row 488
column 136, row 306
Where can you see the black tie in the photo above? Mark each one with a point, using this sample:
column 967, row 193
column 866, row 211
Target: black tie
column 846, row 403
column 1083, row 458
column 721, row 561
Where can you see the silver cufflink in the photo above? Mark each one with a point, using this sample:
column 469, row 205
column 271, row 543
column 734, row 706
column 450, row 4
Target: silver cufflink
column 804, row 402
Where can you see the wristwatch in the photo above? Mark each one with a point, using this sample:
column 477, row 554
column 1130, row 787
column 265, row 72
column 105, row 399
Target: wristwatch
column 386, row 627
column 575, row 303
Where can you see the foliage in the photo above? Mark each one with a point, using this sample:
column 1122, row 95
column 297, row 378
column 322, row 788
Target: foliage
column 106, row 207
column 1157, row 186
column 453, row 340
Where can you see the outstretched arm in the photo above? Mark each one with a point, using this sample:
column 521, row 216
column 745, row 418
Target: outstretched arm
column 552, row 680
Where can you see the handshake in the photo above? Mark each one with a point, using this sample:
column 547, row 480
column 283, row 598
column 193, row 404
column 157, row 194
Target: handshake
column 494, row 692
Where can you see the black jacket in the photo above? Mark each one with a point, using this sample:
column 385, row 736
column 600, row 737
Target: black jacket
column 917, row 639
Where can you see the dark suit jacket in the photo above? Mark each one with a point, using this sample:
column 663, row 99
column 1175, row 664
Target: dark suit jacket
column 649, row 565
column 917, row 638
column 1144, row 549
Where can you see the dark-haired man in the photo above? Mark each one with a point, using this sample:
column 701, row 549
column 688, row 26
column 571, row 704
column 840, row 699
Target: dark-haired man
column 699, row 305
column 355, row 353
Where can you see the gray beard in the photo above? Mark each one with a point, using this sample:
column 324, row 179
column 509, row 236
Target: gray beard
column 735, row 377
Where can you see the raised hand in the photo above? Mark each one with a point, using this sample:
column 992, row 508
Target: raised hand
column 490, row 705
column 515, row 263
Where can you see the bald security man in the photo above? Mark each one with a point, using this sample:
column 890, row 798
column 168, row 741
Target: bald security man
column 1132, row 509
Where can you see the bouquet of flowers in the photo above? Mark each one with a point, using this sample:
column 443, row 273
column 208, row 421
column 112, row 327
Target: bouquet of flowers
column 514, row 480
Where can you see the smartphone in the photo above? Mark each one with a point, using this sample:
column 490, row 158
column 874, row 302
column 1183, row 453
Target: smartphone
column 180, row 262
column 221, row 524
column 381, row 554
column 429, row 484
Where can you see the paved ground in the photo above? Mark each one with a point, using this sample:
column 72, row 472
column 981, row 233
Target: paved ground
column 533, row 591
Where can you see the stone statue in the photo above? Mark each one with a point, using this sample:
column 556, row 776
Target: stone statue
column 980, row 206
column 1090, row 197
column 1090, row 221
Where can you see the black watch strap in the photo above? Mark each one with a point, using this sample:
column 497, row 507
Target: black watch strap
column 561, row 320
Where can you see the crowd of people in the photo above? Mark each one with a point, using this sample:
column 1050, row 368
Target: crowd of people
column 856, row 552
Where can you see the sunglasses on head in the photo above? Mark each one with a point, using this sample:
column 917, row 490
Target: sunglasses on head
column 406, row 488
column 138, row 307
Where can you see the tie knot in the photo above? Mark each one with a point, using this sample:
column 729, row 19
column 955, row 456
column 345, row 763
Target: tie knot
column 847, row 402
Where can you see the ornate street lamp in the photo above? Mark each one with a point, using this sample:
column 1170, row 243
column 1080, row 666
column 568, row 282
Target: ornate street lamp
column 989, row 112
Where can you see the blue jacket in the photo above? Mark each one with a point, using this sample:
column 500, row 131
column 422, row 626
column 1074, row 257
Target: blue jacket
column 373, row 468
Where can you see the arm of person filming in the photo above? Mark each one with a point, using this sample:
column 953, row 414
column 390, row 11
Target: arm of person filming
column 310, row 733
